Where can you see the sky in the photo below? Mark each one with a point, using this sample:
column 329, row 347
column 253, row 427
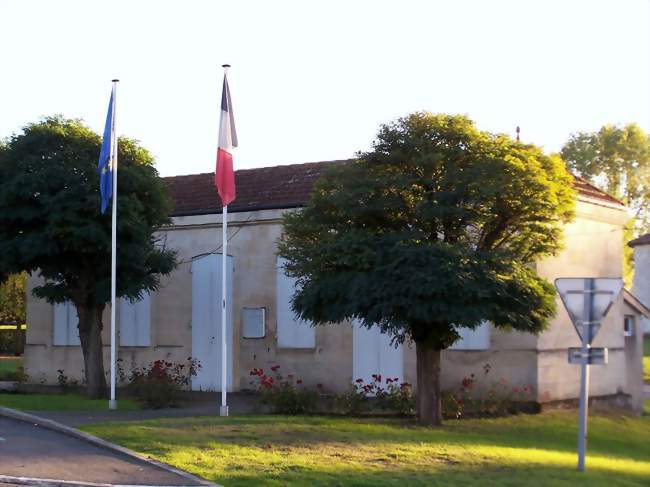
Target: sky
column 313, row 80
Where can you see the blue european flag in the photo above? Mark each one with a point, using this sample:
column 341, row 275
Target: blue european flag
column 104, row 165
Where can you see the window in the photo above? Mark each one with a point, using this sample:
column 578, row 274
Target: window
column 628, row 325
column 477, row 339
column 135, row 322
column 292, row 331
column 66, row 325
column 253, row 322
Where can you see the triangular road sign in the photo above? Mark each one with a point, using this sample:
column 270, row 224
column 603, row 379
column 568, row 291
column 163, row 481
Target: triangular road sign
column 587, row 300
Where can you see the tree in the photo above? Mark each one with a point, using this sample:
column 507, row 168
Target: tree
column 50, row 223
column 434, row 229
column 616, row 159
column 12, row 306
column 12, row 299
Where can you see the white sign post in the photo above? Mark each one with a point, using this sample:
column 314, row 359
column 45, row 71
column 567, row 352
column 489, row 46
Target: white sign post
column 587, row 300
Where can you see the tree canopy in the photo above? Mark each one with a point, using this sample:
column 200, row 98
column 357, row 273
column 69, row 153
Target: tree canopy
column 50, row 223
column 12, row 299
column 617, row 159
column 437, row 227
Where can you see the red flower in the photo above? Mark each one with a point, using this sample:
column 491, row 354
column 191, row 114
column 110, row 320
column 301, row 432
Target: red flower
column 467, row 383
column 359, row 381
column 275, row 367
column 515, row 390
column 298, row 381
column 388, row 380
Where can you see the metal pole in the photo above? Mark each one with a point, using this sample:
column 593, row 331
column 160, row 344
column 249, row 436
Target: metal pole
column 223, row 411
column 587, row 317
column 112, row 403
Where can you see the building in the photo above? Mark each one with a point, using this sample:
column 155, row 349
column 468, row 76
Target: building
column 183, row 318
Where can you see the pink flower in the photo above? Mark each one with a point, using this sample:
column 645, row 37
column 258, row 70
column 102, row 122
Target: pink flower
column 515, row 390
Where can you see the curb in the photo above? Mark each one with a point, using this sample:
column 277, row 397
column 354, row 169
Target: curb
column 93, row 440
column 47, row 482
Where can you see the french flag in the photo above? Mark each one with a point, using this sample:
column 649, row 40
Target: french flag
column 224, row 177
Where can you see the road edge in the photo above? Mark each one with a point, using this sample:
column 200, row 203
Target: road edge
column 99, row 442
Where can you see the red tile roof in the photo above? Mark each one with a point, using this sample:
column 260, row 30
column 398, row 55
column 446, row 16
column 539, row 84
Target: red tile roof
column 277, row 187
column 585, row 188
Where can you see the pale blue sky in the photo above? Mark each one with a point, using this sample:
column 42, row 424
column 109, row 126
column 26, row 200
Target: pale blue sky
column 312, row 80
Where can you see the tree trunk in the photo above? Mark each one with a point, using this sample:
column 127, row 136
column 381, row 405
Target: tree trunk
column 90, row 334
column 429, row 401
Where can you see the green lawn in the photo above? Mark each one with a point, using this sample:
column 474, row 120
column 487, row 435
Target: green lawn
column 8, row 366
column 319, row 451
column 60, row 402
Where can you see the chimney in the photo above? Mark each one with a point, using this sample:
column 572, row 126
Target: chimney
column 641, row 284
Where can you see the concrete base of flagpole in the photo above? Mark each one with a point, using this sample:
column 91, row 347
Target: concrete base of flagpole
column 223, row 411
column 112, row 404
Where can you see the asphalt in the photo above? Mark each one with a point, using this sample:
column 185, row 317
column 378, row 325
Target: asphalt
column 27, row 450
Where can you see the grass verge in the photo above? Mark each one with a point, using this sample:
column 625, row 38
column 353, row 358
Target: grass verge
column 60, row 402
column 322, row 451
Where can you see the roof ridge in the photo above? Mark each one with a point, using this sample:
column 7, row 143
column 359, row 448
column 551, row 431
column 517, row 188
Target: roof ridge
column 285, row 186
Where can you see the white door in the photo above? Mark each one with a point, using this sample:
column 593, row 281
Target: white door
column 206, row 322
column 372, row 353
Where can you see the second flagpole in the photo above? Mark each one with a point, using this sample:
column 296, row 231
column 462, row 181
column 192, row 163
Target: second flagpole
column 223, row 410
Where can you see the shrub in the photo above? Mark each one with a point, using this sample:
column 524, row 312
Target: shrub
column 496, row 398
column 64, row 382
column 284, row 395
column 360, row 397
column 158, row 385
column 398, row 397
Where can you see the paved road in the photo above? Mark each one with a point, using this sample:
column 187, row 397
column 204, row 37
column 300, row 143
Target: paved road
column 28, row 450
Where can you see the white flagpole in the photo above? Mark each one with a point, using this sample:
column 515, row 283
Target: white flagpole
column 112, row 403
column 223, row 411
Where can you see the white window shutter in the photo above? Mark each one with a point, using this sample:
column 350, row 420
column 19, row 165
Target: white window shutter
column 135, row 322
column 292, row 331
column 66, row 325
column 60, row 324
column 477, row 339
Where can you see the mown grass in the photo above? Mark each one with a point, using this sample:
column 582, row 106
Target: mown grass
column 60, row 402
column 323, row 451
